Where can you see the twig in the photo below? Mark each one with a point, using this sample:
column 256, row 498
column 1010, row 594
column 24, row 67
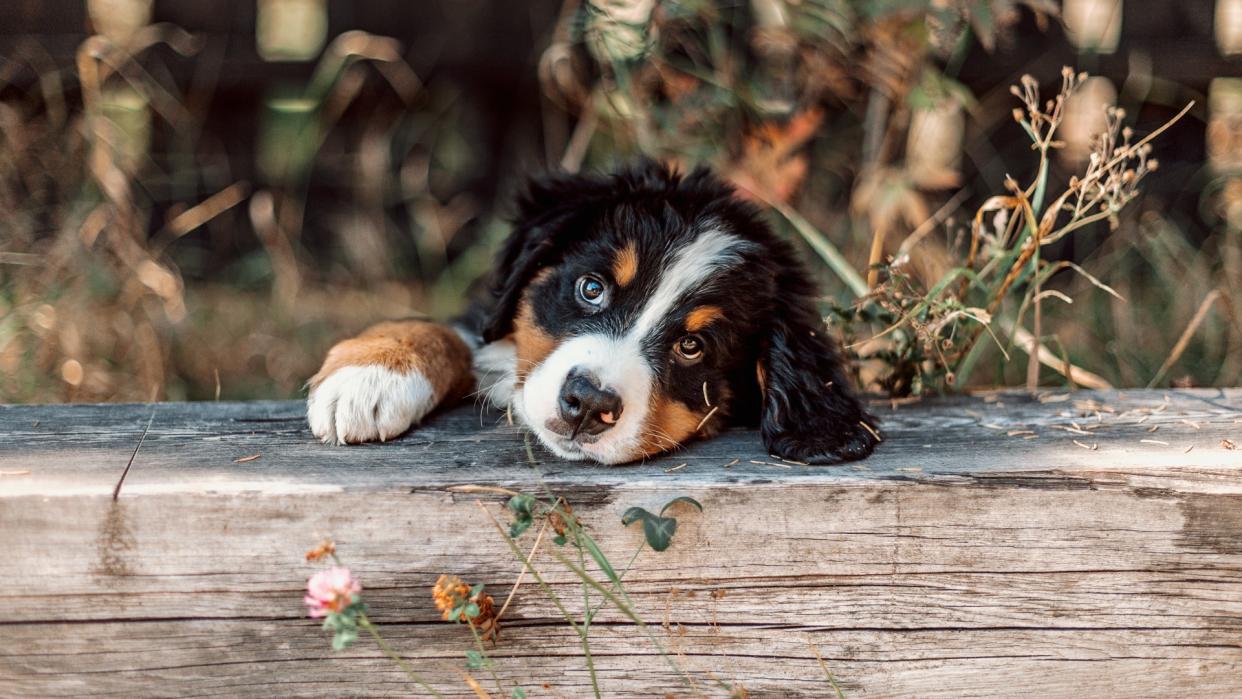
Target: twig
column 876, row 256
column 706, row 417
column 474, row 685
column 934, row 220
column 1032, row 363
column 584, row 131
column 529, row 557
column 522, row 557
column 828, row 673
column 116, row 491
column 481, row 489
column 365, row 623
column 1184, row 340
column 1078, row 375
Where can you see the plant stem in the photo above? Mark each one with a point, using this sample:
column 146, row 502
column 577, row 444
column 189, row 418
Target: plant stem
column 591, row 614
column 824, row 666
column 624, row 609
column 365, row 623
column 478, row 641
column 836, row 261
column 586, row 621
column 517, row 551
column 522, row 575
column 1032, row 365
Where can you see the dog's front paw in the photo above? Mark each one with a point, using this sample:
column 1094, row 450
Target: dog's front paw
column 367, row 403
column 826, row 446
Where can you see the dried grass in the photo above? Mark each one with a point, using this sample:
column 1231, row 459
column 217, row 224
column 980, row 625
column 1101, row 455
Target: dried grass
column 102, row 296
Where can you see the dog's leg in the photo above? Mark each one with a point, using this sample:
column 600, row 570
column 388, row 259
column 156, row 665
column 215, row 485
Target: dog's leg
column 378, row 384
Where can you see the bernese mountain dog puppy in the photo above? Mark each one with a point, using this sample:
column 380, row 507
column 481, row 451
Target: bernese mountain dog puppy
column 628, row 314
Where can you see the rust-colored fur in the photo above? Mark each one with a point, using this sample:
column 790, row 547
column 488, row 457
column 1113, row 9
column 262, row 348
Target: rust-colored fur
column 532, row 344
column 702, row 317
column 403, row 346
column 625, row 267
column 670, row 423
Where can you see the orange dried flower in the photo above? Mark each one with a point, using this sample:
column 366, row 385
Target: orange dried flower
column 326, row 548
column 559, row 525
column 450, row 593
column 486, row 621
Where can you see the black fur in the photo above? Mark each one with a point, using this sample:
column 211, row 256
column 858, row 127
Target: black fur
column 550, row 213
column 810, row 412
column 806, row 409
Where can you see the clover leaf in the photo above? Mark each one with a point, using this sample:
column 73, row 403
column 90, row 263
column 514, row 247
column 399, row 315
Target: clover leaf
column 658, row 529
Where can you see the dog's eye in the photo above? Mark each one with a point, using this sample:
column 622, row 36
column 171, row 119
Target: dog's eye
column 689, row 348
column 592, row 290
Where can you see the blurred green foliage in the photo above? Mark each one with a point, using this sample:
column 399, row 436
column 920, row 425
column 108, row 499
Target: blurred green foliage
column 145, row 254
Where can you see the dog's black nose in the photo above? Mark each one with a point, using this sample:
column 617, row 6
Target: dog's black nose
column 588, row 408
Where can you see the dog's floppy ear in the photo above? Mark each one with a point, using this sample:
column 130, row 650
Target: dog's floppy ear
column 810, row 412
column 545, row 224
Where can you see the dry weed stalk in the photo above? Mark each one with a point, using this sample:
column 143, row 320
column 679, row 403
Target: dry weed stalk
column 1007, row 234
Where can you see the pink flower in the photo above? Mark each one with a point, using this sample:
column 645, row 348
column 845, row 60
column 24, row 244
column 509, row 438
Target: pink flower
column 329, row 591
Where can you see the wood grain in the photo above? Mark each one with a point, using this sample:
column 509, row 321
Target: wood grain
column 961, row 560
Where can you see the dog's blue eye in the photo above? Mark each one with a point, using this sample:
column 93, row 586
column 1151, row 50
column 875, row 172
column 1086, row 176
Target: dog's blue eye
column 592, row 290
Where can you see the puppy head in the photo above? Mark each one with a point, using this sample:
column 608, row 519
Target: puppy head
column 646, row 308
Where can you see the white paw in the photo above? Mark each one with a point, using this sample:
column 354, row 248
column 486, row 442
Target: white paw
column 367, row 403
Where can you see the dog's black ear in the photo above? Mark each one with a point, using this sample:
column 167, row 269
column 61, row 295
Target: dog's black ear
column 810, row 412
column 544, row 225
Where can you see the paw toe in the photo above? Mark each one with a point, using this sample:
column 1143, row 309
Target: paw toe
column 827, row 448
column 364, row 404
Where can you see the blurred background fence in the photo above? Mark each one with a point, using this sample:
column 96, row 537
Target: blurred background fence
column 197, row 198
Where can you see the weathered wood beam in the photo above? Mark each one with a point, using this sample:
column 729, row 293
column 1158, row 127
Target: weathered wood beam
column 965, row 559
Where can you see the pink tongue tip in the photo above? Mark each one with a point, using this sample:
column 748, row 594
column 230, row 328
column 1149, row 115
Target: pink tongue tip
column 607, row 417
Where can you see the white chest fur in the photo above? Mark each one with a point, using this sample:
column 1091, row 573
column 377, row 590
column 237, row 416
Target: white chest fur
column 495, row 372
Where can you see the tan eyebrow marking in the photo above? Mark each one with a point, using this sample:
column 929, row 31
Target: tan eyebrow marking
column 625, row 266
column 702, row 317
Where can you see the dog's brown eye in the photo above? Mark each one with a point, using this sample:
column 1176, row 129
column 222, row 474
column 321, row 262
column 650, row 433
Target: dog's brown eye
column 689, row 347
column 592, row 290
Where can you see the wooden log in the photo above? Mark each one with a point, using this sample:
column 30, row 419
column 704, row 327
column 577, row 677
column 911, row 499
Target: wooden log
column 1001, row 545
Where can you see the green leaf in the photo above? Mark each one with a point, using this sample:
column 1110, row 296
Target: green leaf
column 471, row 611
column 476, row 660
column 455, row 613
column 683, row 499
column 476, row 591
column 559, row 540
column 522, row 504
column 600, row 559
column 518, row 693
column 632, row 515
column 659, row 531
column 344, row 638
column 520, row 525
column 984, row 23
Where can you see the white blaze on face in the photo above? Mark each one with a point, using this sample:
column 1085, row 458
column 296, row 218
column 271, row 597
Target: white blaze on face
column 618, row 362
